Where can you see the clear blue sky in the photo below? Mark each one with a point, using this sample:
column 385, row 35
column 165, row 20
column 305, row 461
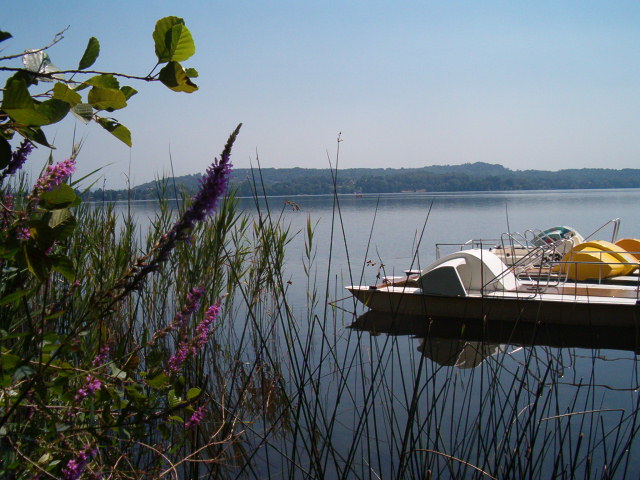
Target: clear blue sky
column 539, row 84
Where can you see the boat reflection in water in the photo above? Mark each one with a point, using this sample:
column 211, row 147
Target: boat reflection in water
column 466, row 343
column 457, row 353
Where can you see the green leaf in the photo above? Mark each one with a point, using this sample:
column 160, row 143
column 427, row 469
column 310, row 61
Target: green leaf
column 180, row 43
column 37, row 262
column 54, row 109
column 51, row 317
column 104, row 81
column 64, row 93
column 90, row 54
column 173, row 399
column 174, row 77
column 193, row 393
column 42, row 233
column 128, row 91
column 24, row 75
column 155, row 357
column 103, row 98
column 173, row 40
column 5, row 152
column 191, row 72
column 9, row 360
column 59, row 217
column 177, row 418
column 19, row 105
column 36, row 134
column 158, row 381
column 118, row 130
column 24, row 371
column 12, row 297
column 60, row 197
column 135, row 393
column 16, row 94
column 64, row 266
column 62, row 222
column 4, row 36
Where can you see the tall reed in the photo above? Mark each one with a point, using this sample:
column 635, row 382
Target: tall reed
column 284, row 388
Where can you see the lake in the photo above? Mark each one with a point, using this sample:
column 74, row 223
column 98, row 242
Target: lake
column 378, row 398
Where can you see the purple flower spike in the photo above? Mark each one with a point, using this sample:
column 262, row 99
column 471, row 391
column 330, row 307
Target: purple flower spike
column 55, row 175
column 196, row 418
column 90, row 388
column 203, row 330
column 191, row 347
column 212, row 187
column 75, row 467
column 191, row 306
column 102, row 356
column 17, row 159
column 23, row 233
column 178, row 358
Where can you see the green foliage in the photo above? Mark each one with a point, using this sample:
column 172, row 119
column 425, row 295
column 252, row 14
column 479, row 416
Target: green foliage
column 79, row 373
column 175, row 77
column 173, row 40
column 174, row 44
column 90, row 54
column 24, row 111
column 64, row 93
column 121, row 132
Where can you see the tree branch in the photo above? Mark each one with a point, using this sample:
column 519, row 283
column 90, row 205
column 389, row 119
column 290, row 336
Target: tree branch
column 53, row 75
column 56, row 38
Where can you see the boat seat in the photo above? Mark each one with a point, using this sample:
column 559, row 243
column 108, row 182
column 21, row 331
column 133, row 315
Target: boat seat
column 444, row 280
column 476, row 270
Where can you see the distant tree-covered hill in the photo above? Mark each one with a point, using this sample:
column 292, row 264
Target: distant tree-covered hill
column 437, row 178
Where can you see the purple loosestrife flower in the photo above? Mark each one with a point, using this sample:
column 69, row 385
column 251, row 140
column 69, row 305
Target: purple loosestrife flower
column 101, row 357
column 213, row 186
column 180, row 320
column 54, row 176
column 23, row 233
column 196, row 418
column 75, row 467
column 178, row 358
column 90, row 387
column 191, row 347
column 17, row 159
column 191, row 306
column 203, row 330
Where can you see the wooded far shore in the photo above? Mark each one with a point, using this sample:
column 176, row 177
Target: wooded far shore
column 438, row 178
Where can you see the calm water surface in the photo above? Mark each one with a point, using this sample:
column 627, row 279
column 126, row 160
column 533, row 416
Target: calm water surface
column 566, row 404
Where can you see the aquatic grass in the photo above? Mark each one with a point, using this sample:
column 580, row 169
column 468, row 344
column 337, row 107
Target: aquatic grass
column 286, row 390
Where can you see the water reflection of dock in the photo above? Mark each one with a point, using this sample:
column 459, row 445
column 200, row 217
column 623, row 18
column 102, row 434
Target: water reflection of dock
column 466, row 343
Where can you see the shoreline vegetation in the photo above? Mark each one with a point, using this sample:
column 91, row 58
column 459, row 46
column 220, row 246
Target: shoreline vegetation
column 177, row 348
column 479, row 176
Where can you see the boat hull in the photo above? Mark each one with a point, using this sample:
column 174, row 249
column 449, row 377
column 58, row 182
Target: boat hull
column 531, row 308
